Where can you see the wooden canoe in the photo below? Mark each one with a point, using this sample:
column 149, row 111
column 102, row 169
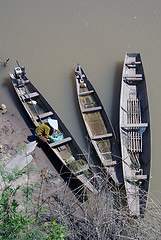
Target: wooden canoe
column 67, row 150
column 99, row 127
column 135, row 134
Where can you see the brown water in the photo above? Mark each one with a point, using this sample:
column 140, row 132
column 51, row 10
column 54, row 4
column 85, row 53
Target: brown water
column 50, row 37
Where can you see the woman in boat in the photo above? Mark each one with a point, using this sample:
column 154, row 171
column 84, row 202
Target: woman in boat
column 43, row 132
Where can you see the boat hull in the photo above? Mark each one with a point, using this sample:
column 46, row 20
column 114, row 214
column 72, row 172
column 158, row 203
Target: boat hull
column 38, row 111
column 135, row 133
column 99, row 127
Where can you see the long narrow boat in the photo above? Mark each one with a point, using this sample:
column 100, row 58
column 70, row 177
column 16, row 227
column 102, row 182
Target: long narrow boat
column 67, row 150
column 99, row 127
column 135, row 133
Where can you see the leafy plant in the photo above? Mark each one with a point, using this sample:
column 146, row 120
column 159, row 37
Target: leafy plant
column 55, row 232
column 24, row 224
column 12, row 221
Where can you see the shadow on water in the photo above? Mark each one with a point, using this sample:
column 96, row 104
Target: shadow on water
column 116, row 99
column 115, row 113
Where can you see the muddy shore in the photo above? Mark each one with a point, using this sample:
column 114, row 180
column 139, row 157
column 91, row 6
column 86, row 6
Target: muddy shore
column 14, row 133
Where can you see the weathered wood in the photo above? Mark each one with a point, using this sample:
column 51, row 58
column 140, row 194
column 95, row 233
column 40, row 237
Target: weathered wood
column 93, row 109
column 84, row 168
column 105, row 153
column 44, row 115
column 60, row 142
column 87, row 183
column 86, row 93
column 132, row 64
column 135, row 146
column 98, row 126
column 109, row 163
column 138, row 178
column 133, row 76
column 134, row 125
column 134, row 117
column 24, row 83
column 30, row 95
column 64, row 149
column 133, row 79
column 102, row 136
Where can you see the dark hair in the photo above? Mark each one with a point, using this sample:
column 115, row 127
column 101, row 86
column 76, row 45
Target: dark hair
column 51, row 131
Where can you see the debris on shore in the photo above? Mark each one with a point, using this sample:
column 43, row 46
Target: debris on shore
column 3, row 108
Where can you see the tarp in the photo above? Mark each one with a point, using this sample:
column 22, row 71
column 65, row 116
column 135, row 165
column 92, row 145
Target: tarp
column 53, row 123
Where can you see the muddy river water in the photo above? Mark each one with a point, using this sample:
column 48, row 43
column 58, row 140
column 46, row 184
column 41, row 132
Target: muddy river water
column 50, row 37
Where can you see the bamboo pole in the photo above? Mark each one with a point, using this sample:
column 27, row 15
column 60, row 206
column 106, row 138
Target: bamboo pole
column 140, row 134
column 128, row 121
column 131, row 122
column 137, row 135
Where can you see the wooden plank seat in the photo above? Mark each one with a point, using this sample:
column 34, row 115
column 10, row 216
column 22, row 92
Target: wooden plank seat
column 44, row 115
column 23, row 83
column 87, row 183
column 45, row 120
column 134, row 125
column 98, row 137
column 60, row 142
column 86, row 93
column 133, row 75
column 26, row 81
column 93, row 109
column 109, row 163
column 130, row 79
column 138, row 178
column 30, row 95
column 84, row 168
column 104, row 153
column 132, row 64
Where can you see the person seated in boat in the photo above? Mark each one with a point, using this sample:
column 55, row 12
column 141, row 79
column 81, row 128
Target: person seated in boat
column 43, row 133
column 82, row 83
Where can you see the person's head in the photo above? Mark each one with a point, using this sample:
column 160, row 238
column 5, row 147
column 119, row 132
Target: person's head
column 51, row 131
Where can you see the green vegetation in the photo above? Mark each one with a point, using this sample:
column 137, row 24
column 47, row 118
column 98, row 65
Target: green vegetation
column 21, row 224
column 54, row 231
column 76, row 165
column 28, row 213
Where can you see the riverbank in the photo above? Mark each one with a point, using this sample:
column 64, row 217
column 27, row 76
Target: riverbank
column 14, row 135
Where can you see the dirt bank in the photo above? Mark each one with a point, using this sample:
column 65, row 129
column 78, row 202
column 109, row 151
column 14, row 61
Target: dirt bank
column 14, row 133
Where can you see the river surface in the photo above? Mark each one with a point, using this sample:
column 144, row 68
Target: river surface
column 50, row 37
